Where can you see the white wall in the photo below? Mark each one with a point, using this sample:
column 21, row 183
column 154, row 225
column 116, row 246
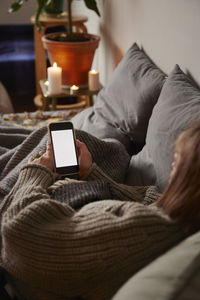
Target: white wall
column 168, row 30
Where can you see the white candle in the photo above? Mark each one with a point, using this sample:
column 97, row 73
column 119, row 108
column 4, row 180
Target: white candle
column 54, row 75
column 73, row 89
column 93, row 80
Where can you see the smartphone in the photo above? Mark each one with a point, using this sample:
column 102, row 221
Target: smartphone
column 64, row 148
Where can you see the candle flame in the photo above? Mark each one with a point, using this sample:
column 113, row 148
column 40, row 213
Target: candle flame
column 74, row 87
column 55, row 65
column 93, row 71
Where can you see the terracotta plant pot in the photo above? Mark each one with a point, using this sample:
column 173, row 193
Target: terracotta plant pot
column 75, row 58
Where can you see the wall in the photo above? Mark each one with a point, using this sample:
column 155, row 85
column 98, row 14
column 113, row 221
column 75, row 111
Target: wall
column 20, row 17
column 168, row 30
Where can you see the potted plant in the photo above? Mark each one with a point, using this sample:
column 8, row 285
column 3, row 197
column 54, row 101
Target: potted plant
column 73, row 52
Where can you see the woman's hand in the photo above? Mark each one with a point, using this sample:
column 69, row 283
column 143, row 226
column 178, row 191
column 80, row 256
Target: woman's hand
column 84, row 158
column 44, row 158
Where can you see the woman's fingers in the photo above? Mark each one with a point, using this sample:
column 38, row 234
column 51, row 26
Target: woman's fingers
column 78, row 145
column 49, row 147
column 42, row 152
column 81, row 147
column 43, row 157
column 30, row 159
column 84, row 157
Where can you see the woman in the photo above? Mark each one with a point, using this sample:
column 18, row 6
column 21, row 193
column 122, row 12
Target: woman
column 51, row 251
column 181, row 197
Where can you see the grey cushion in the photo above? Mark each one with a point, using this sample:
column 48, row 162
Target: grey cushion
column 177, row 108
column 89, row 122
column 173, row 276
column 141, row 169
column 124, row 106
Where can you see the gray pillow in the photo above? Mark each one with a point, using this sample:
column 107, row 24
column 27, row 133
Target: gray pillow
column 141, row 169
column 177, row 108
column 89, row 122
column 124, row 106
column 173, row 276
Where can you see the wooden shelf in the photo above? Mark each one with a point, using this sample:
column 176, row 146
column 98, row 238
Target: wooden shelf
column 46, row 101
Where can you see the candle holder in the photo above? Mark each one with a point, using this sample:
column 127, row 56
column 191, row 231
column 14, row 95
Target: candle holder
column 75, row 96
column 74, row 89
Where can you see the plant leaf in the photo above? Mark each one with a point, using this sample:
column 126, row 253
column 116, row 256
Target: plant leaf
column 40, row 6
column 91, row 4
column 15, row 6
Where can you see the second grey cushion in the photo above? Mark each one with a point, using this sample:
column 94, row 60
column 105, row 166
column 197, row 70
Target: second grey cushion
column 177, row 108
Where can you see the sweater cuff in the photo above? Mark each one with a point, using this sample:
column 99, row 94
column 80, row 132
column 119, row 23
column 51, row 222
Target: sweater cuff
column 34, row 174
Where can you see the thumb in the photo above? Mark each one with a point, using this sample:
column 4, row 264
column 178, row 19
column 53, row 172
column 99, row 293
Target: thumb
column 79, row 146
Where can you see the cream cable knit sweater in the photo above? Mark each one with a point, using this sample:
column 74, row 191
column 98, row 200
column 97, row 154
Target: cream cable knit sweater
column 54, row 252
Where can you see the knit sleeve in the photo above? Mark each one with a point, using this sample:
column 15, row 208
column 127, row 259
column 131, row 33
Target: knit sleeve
column 30, row 176
column 61, row 252
column 142, row 194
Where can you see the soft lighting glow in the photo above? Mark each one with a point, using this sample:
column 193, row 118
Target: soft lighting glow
column 73, row 89
column 55, row 65
column 46, row 83
column 94, row 71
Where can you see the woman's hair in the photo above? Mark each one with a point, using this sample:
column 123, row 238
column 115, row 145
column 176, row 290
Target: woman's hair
column 181, row 198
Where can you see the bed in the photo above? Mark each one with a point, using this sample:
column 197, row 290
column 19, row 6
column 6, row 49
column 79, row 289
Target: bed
column 146, row 110
column 143, row 110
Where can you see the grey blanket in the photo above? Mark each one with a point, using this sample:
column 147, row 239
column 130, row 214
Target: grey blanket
column 18, row 144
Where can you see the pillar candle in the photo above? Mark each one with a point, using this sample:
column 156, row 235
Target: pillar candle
column 54, row 75
column 93, row 80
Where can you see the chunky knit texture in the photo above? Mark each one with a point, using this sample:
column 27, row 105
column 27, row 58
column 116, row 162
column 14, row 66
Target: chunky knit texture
column 17, row 145
column 98, row 186
column 77, row 195
column 53, row 252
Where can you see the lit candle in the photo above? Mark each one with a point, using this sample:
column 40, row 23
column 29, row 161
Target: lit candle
column 93, row 80
column 73, row 89
column 46, row 83
column 54, row 75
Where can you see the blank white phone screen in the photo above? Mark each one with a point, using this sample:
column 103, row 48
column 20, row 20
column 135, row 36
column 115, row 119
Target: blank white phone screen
column 64, row 148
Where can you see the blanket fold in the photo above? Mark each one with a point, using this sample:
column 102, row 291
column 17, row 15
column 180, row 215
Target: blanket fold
column 79, row 194
column 17, row 145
